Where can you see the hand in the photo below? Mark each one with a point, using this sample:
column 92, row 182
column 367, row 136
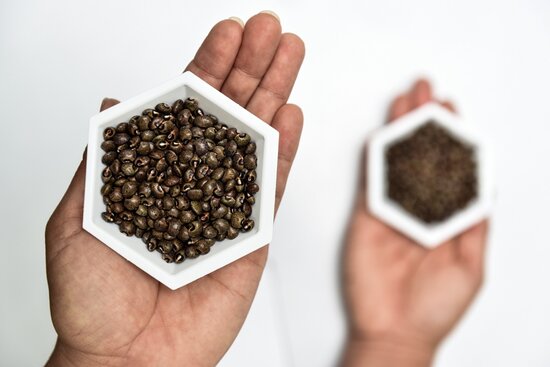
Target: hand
column 402, row 298
column 107, row 311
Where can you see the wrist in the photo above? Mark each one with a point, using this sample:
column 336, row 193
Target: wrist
column 388, row 351
column 63, row 356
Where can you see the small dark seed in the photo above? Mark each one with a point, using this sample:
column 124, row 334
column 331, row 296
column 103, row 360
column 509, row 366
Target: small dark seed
column 121, row 138
column 191, row 252
column 108, row 145
column 116, row 195
column 195, row 194
column 203, row 121
column 132, row 203
column 129, row 188
column 179, row 257
column 187, row 216
column 195, row 228
column 109, row 157
column 163, row 108
column 242, row 139
column 232, row 233
column 237, row 219
column 109, row 133
column 248, row 225
column 250, row 148
column 108, row 217
column 252, row 188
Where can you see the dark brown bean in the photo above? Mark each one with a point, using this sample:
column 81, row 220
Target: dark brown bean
column 195, row 229
column 237, row 219
column 221, row 225
column 109, row 133
column 202, row 247
column 191, row 252
column 250, row 161
column 116, row 195
column 250, row 148
column 132, row 203
column 252, row 188
column 128, row 228
column 177, row 106
column 183, row 233
column 179, row 257
column 129, row 188
column 163, row 108
column 161, row 225
column 108, row 146
column 195, row 194
column 140, row 222
column 154, row 212
column 174, row 227
column 203, row 121
column 121, row 138
column 232, row 233
column 187, row 216
column 109, row 157
column 108, row 217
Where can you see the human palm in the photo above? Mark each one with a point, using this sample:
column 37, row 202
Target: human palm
column 397, row 291
column 106, row 310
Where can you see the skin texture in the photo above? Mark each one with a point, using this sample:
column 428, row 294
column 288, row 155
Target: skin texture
column 403, row 299
column 105, row 310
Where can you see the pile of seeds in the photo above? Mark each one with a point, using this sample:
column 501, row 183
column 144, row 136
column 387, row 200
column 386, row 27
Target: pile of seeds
column 431, row 174
column 178, row 179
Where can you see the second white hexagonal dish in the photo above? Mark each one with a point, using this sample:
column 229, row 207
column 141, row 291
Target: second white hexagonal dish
column 392, row 213
column 221, row 253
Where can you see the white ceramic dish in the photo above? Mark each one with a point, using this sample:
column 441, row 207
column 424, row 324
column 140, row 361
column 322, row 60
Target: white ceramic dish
column 222, row 253
column 390, row 212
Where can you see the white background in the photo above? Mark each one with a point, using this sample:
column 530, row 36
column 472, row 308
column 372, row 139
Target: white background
column 59, row 58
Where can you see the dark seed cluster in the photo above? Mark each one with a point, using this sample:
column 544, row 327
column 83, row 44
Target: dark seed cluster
column 431, row 174
column 178, row 179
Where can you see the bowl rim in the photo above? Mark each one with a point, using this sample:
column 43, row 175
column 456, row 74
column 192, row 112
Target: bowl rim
column 430, row 235
column 202, row 265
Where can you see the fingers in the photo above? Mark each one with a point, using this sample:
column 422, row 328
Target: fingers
column 108, row 103
column 73, row 200
column 289, row 122
column 260, row 41
column 276, row 85
column 400, row 106
column 471, row 246
column 421, row 93
column 215, row 57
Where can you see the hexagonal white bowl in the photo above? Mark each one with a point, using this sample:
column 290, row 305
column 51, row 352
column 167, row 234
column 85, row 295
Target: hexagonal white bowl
column 429, row 235
column 222, row 253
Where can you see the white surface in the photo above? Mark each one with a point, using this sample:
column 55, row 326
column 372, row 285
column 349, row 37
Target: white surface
column 183, row 86
column 60, row 58
column 432, row 234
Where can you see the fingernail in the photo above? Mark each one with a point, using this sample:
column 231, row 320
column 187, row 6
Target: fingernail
column 272, row 13
column 238, row 20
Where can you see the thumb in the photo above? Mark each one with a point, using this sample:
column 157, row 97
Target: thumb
column 71, row 205
column 74, row 197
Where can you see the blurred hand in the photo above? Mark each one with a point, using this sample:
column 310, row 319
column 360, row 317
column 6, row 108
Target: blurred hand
column 107, row 311
column 402, row 298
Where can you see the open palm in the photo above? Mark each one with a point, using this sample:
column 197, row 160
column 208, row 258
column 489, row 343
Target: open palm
column 397, row 291
column 107, row 311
